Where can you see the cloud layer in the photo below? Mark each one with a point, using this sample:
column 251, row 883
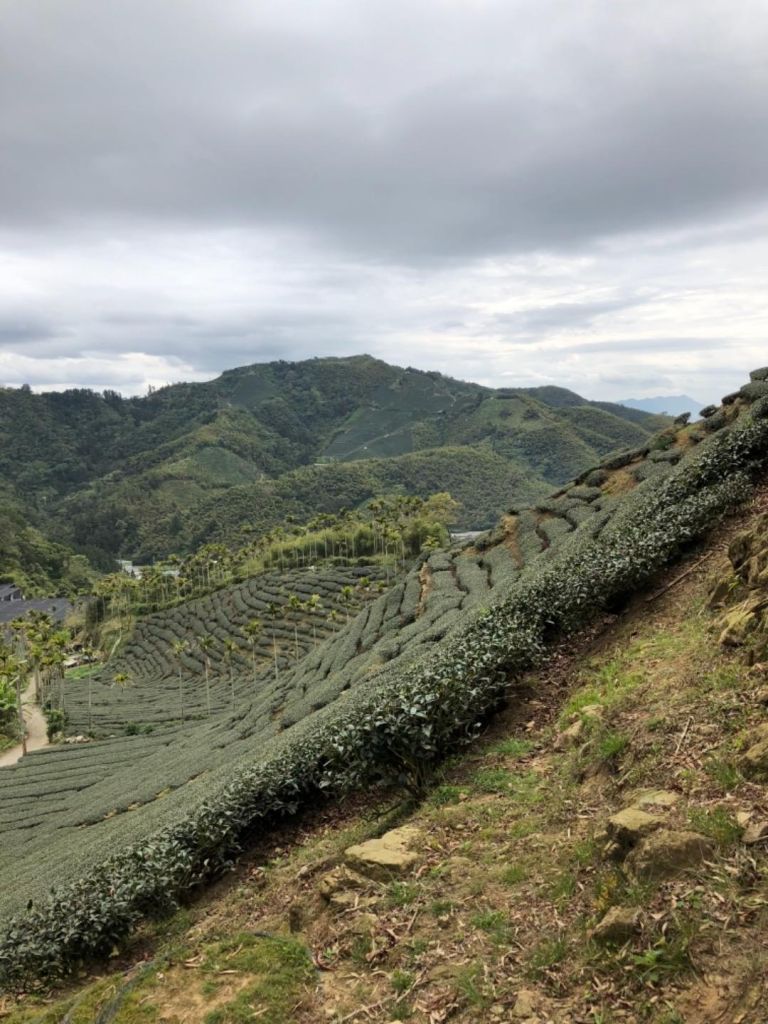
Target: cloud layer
column 536, row 191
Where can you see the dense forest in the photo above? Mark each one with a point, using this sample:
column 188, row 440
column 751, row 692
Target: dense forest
column 142, row 477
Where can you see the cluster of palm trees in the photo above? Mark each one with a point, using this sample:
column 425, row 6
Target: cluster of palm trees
column 35, row 648
column 387, row 530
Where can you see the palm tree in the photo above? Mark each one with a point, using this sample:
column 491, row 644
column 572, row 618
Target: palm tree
column 205, row 643
column 295, row 605
column 252, row 631
column 273, row 611
column 230, row 648
column 346, row 595
column 314, row 606
column 179, row 647
column 12, row 670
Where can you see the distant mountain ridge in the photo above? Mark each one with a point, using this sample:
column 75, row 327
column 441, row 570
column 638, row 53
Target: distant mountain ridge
column 669, row 405
column 145, row 476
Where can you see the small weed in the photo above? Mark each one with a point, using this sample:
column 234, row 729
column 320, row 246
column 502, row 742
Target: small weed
column 666, row 959
column 472, row 986
column 490, row 921
column 402, row 981
column 607, row 685
column 521, row 787
column 514, row 874
column 443, row 796
column 547, row 954
column 562, row 888
column 401, row 1012
column 493, row 780
column 280, row 969
column 717, row 823
column 609, row 746
column 511, row 748
column 584, row 852
column 361, row 947
column 524, row 827
column 402, row 894
column 417, row 948
column 724, row 773
column 441, row 907
column 724, row 678
column 670, row 1016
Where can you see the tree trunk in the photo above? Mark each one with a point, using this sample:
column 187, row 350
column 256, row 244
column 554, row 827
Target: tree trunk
column 22, row 724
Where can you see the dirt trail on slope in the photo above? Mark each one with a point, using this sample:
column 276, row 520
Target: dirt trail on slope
column 37, row 729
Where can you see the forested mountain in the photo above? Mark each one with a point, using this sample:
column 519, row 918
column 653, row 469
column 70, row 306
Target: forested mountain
column 144, row 476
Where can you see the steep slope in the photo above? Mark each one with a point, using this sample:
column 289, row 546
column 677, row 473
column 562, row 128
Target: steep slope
column 406, row 680
column 126, row 477
column 514, row 901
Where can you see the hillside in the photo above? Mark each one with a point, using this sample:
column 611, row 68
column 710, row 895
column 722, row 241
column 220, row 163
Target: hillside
column 514, row 901
column 131, row 477
column 135, row 820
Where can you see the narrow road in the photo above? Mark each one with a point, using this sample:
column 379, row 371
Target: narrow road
column 37, row 731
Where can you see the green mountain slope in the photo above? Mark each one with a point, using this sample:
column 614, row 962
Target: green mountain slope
column 135, row 477
column 129, row 822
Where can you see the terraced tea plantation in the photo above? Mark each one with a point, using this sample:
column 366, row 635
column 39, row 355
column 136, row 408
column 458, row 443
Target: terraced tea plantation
column 206, row 656
column 396, row 675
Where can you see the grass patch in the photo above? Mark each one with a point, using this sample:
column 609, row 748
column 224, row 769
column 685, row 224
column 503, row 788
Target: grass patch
column 402, row 894
column 522, row 787
column 492, row 922
column 724, row 773
column 610, row 745
column 514, row 874
column 511, row 747
column 441, row 907
column 562, row 888
column 444, row 796
column 546, row 955
column 282, row 968
column 717, row 823
column 402, row 981
column 666, row 959
column 472, row 986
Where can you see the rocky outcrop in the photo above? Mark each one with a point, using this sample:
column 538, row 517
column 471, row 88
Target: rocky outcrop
column 667, row 853
column 742, row 596
column 388, row 856
column 619, row 925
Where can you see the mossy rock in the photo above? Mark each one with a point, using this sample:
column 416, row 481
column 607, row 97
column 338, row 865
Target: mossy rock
column 707, row 411
column 668, row 853
column 730, row 398
column 682, row 419
column 760, row 374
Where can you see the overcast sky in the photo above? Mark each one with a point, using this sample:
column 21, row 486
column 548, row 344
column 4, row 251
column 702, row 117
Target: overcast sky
column 517, row 192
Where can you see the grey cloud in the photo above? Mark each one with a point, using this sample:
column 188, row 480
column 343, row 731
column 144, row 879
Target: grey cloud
column 642, row 345
column 562, row 315
column 21, row 331
column 217, row 184
column 525, row 136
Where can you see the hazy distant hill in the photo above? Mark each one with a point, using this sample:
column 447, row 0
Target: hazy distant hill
column 670, row 405
column 145, row 476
